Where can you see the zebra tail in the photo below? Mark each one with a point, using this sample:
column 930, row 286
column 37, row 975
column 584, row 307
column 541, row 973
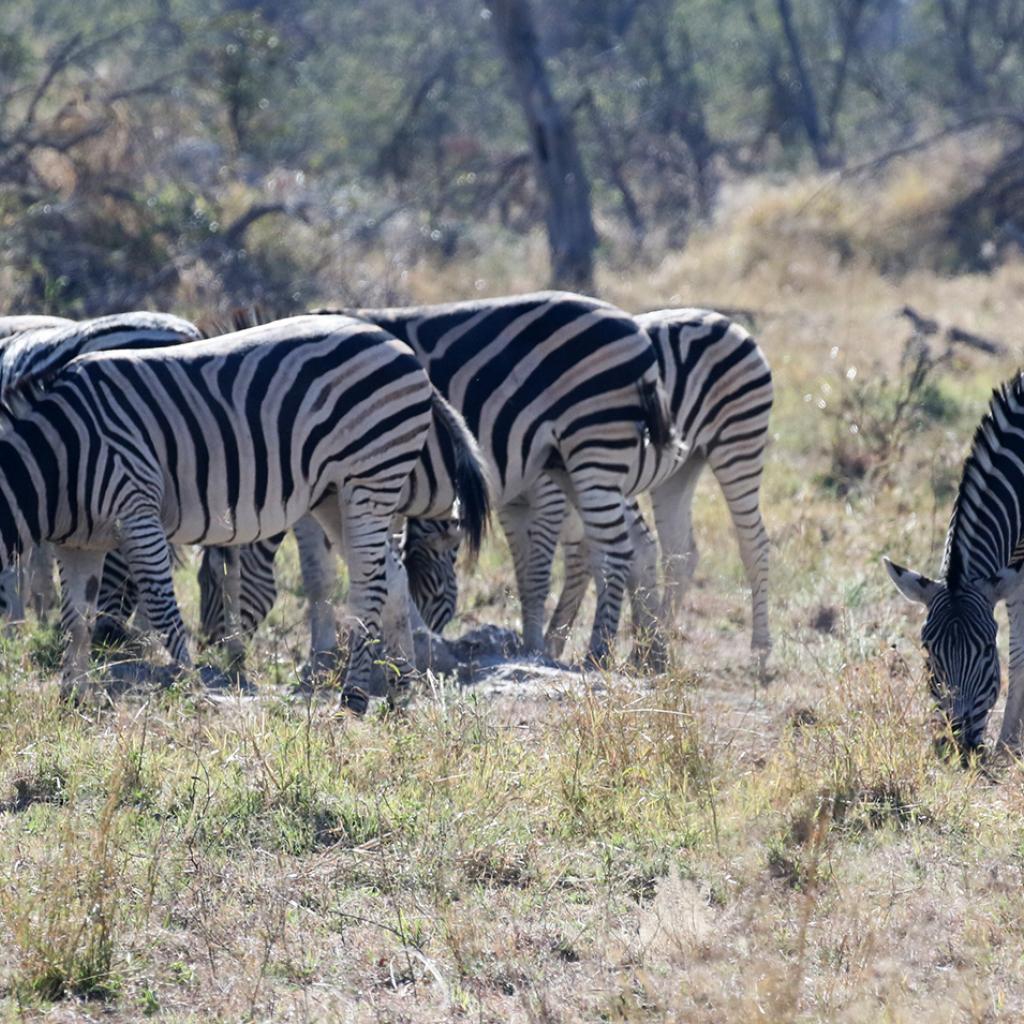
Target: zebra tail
column 468, row 473
column 656, row 417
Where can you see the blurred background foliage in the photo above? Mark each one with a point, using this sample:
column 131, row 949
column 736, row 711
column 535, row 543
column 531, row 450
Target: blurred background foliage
column 177, row 153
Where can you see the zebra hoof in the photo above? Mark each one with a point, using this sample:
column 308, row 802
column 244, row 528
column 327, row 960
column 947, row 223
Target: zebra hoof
column 110, row 633
column 650, row 656
column 355, row 699
column 322, row 667
column 79, row 693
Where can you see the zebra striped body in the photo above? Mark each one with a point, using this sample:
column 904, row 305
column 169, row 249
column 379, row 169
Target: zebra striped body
column 720, row 391
column 32, row 348
column 225, row 442
column 983, row 564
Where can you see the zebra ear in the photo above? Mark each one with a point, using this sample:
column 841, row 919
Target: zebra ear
column 1004, row 583
column 912, row 585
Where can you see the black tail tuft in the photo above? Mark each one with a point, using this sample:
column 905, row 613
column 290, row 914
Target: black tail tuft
column 469, row 476
column 656, row 418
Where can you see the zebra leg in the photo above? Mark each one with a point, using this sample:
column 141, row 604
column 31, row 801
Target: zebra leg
column 12, row 607
column 80, row 572
column 257, row 588
column 221, row 573
column 39, row 581
column 602, row 509
column 673, row 519
column 118, row 599
column 1010, row 734
column 316, row 561
column 741, row 483
column 532, row 524
column 650, row 650
column 363, row 537
column 145, row 546
column 576, row 559
column 259, row 584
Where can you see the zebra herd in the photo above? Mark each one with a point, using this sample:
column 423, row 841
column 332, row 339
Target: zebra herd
column 125, row 435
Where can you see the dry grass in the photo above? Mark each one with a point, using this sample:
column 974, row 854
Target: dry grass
column 693, row 849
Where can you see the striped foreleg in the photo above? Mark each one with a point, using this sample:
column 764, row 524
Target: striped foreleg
column 602, row 510
column 363, row 537
column 221, row 570
column 118, row 599
column 649, row 647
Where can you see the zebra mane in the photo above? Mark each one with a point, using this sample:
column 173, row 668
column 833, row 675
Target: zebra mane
column 238, row 319
column 18, row 324
column 30, row 359
column 986, row 527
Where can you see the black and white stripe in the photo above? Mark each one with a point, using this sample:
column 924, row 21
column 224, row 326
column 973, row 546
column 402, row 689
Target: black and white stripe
column 983, row 564
column 225, row 442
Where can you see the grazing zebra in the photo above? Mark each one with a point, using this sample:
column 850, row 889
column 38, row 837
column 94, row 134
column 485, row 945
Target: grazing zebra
column 720, row 389
column 31, row 349
column 548, row 382
column 225, row 442
column 983, row 564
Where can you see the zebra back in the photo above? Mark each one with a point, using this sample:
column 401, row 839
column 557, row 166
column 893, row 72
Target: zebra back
column 12, row 325
column 718, row 380
column 34, row 357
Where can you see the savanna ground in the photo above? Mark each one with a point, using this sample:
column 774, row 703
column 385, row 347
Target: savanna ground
column 695, row 847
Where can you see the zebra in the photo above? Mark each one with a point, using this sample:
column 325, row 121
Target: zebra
column 547, row 382
column 983, row 564
column 226, row 441
column 31, row 347
column 721, row 393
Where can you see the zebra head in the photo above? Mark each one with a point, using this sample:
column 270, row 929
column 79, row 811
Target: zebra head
column 430, row 549
column 959, row 640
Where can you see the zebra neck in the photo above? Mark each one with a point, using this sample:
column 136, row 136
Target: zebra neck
column 986, row 529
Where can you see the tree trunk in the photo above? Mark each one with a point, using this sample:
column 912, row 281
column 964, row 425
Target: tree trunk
column 560, row 173
column 808, row 101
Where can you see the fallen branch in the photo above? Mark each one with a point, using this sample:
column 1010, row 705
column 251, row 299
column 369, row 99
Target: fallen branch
column 926, row 326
